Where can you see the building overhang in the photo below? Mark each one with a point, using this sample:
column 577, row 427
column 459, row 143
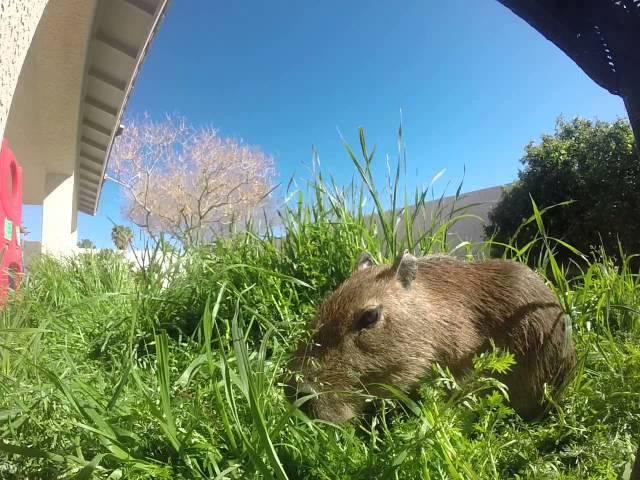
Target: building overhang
column 73, row 88
column 598, row 36
column 121, row 37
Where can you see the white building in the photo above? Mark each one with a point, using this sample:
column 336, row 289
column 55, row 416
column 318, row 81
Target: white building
column 66, row 72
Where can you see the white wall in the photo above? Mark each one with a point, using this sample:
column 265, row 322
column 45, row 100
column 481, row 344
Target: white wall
column 18, row 22
column 33, row 249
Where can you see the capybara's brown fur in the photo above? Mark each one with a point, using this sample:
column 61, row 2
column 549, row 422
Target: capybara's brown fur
column 635, row 473
column 388, row 324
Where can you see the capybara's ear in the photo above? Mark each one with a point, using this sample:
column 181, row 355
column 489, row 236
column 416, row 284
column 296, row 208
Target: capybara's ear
column 365, row 260
column 405, row 268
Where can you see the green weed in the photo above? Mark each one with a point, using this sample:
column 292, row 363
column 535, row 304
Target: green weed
column 170, row 369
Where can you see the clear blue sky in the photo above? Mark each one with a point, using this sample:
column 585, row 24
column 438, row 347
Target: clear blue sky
column 473, row 81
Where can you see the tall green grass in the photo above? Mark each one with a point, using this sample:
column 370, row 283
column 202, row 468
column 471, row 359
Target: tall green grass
column 108, row 370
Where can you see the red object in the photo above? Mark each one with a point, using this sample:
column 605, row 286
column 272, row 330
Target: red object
column 11, row 266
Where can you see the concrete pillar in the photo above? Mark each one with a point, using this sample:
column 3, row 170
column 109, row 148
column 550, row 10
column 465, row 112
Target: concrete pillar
column 59, row 215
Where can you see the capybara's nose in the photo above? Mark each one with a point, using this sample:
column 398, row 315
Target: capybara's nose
column 302, row 392
column 306, row 390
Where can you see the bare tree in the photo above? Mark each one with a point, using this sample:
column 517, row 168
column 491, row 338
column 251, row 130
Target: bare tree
column 188, row 182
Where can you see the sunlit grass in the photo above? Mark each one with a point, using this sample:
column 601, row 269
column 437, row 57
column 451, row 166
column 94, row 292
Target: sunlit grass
column 172, row 372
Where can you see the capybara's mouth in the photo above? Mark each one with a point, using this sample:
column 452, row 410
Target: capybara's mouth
column 316, row 404
column 301, row 394
column 329, row 409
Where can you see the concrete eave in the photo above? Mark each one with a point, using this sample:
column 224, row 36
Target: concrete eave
column 123, row 31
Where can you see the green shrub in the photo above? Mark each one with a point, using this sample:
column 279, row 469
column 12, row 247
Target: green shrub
column 594, row 165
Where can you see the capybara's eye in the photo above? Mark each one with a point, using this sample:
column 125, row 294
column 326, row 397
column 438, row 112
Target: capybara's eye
column 368, row 318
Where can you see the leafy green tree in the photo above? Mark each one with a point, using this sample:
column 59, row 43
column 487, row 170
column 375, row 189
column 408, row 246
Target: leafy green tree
column 86, row 243
column 594, row 164
column 121, row 236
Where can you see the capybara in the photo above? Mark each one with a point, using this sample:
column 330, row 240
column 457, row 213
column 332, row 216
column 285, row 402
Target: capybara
column 388, row 324
column 635, row 473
